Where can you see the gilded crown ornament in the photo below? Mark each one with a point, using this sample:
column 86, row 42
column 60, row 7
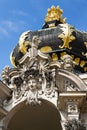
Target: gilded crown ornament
column 54, row 13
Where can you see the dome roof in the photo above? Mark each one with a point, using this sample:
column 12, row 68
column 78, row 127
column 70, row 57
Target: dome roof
column 58, row 39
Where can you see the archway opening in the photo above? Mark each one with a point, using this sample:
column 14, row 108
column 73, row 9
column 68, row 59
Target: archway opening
column 44, row 116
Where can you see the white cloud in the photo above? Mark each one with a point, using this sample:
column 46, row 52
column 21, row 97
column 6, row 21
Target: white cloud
column 4, row 32
column 12, row 26
column 8, row 27
column 19, row 13
column 22, row 13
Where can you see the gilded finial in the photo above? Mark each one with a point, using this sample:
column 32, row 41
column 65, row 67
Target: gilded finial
column 54, row 13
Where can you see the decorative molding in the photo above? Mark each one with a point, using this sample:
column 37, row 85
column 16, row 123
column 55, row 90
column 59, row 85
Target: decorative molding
column 71, row 98
column 66, row 36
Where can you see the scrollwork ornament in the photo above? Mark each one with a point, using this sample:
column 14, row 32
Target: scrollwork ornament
column 74, row 125
column 5, row 75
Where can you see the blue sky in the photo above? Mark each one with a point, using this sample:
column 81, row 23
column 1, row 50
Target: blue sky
column 17, row 16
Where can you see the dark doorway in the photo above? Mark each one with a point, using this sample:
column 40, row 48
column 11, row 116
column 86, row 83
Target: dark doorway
column 38, row 117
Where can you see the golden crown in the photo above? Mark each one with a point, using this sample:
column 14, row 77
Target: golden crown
column 54, row 13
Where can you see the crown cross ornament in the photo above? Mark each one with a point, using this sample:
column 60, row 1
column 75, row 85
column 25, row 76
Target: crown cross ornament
column 54, row 13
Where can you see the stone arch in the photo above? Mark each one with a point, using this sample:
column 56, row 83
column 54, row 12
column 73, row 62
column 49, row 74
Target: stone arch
column 62, row 74
column 44, row 116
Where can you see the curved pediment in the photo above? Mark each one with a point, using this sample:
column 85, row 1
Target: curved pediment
column 68, row 81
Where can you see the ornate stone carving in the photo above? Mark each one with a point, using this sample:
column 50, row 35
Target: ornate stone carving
column 68, row 63
column 72, row 108
column 35, row 76
column 5, row 75
column 74, row 125
column 69, row 86
column 17, row 82
column 33, row 88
